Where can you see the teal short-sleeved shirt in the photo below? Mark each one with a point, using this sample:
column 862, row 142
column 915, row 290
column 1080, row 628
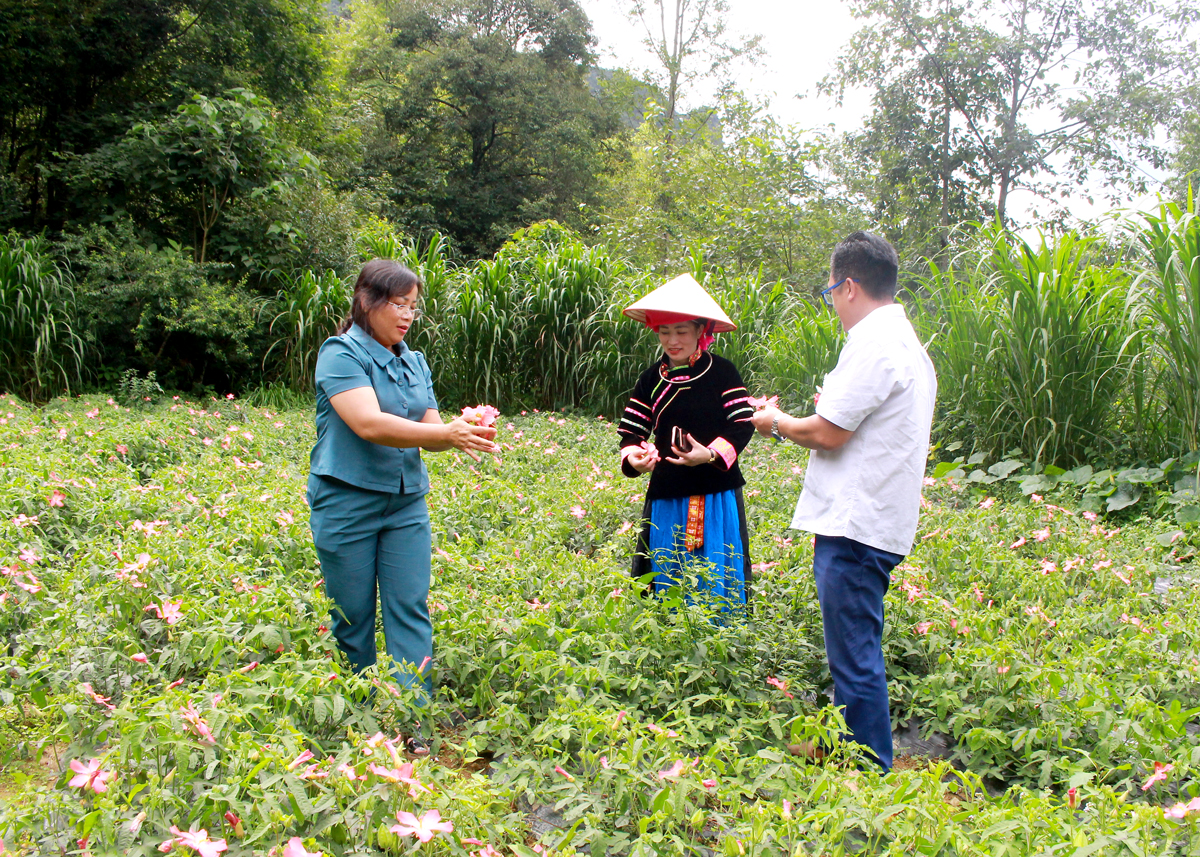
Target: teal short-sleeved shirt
column 403, row 386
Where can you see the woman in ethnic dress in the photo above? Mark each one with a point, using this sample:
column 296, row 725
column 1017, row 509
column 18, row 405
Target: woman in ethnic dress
column 686, row 424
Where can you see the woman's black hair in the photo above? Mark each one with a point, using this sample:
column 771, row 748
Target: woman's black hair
column 379, row 281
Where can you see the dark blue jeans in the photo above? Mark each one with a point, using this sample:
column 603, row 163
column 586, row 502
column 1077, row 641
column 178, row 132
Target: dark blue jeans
column 852, row 579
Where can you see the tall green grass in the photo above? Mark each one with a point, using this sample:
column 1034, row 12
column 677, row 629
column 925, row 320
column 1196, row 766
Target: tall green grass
column 1164, row 306
column 1028, row 340
column 41, row 351
column 306, row 312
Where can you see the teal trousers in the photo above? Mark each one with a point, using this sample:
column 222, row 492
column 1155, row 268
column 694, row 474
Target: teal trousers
column 374, row 543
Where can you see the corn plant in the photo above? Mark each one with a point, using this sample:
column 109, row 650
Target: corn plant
column 1164, row 305
column 307, row 312
column 41, row 351
column 799, row 353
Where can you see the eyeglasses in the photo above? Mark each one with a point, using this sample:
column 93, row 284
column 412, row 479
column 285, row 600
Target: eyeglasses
column 825, row 293
column 405, row 310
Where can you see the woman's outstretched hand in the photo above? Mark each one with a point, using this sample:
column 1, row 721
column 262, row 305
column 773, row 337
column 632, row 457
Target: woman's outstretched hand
column 471, row 439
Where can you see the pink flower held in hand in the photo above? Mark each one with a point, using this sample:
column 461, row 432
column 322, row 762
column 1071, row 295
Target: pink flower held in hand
column 198, row 841
column 1160, row 773
column 89, row 777
column 57, row 498
column 481, row 415
column 760, row 402
column 424, row 828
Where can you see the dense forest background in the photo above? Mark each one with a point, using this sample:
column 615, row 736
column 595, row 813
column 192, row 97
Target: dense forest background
column 187, row 186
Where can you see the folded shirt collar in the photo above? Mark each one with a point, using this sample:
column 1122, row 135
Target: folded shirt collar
column 381, row 355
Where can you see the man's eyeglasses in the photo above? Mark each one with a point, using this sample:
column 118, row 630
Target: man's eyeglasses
column 825, row 293
column 406, row 310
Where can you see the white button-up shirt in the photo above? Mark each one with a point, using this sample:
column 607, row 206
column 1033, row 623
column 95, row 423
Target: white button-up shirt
column 882, row 389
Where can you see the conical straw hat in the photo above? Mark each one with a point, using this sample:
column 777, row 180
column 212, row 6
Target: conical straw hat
column 683, row 296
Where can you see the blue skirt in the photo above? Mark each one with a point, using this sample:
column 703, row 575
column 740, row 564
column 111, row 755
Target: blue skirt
column 718, row 571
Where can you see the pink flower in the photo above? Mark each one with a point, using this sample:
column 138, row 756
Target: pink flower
column 97, row 698
column 29, row 555
column 1090, row 516
column 198, row 724
column 987, row 503
column 349, row 772
column 56, row 498
column 481, row 415
column 578, row 511
column 604, row 762
column 1041, row 535
column 1035, row 498
column 169, row 612
column 89, row 777
column 1161, row 770
column 924, row 627
column 1004, row 669
column 197, row 840
column 559, row 770
column 295, row 848
column 140, row 657
column 760, row 402
column 300, row 760
column 424, row 828
column 709, row 784
column 285, row 518
column 1048, row 565
column 673, row 771
column 135, row 824
column 93, row 413
column 1017, row 543
column 1181, row 809
column 782, row 685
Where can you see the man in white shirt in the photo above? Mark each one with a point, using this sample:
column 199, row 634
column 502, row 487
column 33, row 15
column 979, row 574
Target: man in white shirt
column 862, row 492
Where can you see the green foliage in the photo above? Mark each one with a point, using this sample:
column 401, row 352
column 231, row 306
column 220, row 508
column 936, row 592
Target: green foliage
column 188, row 167
column 159, row 310
column 485, row 122
column 1029, row 346
column 306, row 312
column 973, row 100
column 1165, row 305
column 134, row 391
column 647, row 727
column 74, row 76
column 41, row 350
column 751, row 201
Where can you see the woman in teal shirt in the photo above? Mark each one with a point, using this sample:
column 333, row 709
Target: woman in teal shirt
column 367, row 484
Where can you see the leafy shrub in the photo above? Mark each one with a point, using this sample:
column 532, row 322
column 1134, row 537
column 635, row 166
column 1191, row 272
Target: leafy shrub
column 157, row 310
column 41, row 350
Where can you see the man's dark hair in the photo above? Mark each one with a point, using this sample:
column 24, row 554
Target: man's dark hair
column 869, row 260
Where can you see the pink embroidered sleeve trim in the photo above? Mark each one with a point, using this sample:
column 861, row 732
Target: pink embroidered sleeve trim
column 726, row 453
